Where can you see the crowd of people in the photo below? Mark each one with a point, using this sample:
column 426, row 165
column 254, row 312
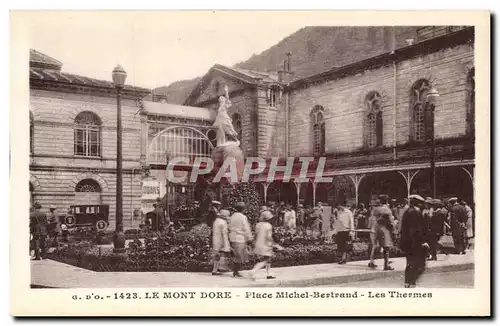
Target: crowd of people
column 417, row 224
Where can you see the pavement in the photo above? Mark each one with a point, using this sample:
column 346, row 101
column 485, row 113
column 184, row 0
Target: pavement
column 52, row 274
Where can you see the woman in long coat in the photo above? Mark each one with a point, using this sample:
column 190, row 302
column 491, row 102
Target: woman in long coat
column 220, row 240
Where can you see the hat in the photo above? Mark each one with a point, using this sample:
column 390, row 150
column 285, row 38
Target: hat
column 417, row 197
column 265, row 216
column 429, row 200
column 383, row 197
column 300, row 206
column 436, row 202
column 224, row 213
column 319, row 203
column 215, row 202
column 264, row 208
column 240, row 204
column 52, row 207
column 453, row 199
column 37, row 205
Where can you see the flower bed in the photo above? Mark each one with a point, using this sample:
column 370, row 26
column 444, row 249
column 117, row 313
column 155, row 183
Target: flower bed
column 190, row 251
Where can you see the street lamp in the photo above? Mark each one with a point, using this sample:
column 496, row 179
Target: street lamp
column 119, row 76
column 432, row 96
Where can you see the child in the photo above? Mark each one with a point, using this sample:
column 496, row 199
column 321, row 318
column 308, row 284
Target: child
column 264, row 244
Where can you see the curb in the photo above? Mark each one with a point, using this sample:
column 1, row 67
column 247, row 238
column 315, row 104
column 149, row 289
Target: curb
column 332, row 280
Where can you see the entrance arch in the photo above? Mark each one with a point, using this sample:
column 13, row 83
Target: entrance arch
column 178, row 141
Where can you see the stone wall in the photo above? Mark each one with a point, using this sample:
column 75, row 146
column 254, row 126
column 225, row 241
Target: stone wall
column 345, row 108
column 54, row 168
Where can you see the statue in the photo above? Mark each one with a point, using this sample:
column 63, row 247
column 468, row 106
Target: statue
column 226, row 135
column 228, row 144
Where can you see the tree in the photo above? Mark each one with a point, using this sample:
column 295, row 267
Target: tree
column 243, row 192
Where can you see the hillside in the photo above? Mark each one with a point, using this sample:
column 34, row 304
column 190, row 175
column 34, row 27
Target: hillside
column 314, row 50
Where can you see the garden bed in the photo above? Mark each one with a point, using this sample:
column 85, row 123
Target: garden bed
column 190, row 251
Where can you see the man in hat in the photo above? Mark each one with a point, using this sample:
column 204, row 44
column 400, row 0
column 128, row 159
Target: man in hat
column 38, row 229
column 436, row 226
column 220, row 240
column 458, row 225
column 414, row 233
column 213, row 212
column 55, row 226
column 317, row 218
column 240, row 235
column 301, row 219
column 344, row 225
column 382, row 226
column 159, row 217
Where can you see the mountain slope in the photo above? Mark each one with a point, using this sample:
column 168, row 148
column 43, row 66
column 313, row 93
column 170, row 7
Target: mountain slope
column 314, row 50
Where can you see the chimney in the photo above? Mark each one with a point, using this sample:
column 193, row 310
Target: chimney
column 390, row 38
column 285, row 71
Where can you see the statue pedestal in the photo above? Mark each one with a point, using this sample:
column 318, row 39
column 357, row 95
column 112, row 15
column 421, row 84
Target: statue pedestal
column 230, row 150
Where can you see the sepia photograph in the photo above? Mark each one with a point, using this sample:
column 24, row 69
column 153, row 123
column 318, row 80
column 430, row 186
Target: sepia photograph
column 186, row 158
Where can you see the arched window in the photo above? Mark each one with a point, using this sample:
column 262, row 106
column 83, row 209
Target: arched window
column 88, row 192
column 471, row 102
column 32, row 133
column 418, row 96
column 87, row 134
column 238, row 126
column 374, row 120
column 318, row 128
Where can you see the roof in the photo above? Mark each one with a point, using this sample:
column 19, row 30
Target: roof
column 181, row 111
column 41, row 60
column 425, row 47
column 50, row 75
column 250, row 77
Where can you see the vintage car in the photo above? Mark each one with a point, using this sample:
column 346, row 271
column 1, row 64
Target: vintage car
column 86, row 216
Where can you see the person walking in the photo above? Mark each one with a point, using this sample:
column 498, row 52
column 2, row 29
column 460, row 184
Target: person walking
column 382, row 227
column 240, row 235
column 344, row 225
column 301, row 220
column 469, row 225
column 264, row 245
column 414, row 243
column 55, row 226
column 38, row 229
column 436, row 226
column 458, row 225
column 220, row 240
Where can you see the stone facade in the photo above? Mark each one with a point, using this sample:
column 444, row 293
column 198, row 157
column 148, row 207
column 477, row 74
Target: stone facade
column 443, row 57
column 345, row 106
column 56, row 168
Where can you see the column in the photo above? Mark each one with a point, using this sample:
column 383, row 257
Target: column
column 314, row 184
column 297, row 187
column 356, row 179
column 266, row 186
column 408, row 175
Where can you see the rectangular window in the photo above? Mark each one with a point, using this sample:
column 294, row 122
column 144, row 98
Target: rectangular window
column 87, row 142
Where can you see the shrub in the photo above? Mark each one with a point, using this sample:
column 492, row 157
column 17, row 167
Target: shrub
column 190, row 251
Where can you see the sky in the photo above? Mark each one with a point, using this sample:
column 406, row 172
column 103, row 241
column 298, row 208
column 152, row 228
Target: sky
column 156, row 48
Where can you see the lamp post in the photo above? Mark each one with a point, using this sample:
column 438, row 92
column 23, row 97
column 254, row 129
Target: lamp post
column 119, row 76
column 432, row 96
